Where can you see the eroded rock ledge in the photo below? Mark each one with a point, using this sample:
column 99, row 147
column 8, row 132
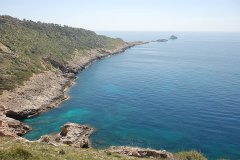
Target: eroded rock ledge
column 72, row 134
column 139, row 152
column 11, row 127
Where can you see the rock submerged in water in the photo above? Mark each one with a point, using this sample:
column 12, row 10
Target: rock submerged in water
column 139, row 152
column 173, row 37
column 72, row 134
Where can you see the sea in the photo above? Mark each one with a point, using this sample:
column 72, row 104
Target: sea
column 178, row 95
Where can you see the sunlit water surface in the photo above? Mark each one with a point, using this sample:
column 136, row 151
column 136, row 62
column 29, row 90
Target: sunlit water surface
column 179, row 95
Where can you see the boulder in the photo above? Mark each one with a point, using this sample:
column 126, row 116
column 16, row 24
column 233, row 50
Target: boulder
column 72, row 134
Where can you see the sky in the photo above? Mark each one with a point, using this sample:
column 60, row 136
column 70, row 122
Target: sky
column 131, row 15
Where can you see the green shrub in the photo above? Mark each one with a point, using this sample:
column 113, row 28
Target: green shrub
column 20, row 153
column 189, row 155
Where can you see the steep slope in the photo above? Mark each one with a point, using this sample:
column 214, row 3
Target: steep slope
column 39, row 61
column 28, row 47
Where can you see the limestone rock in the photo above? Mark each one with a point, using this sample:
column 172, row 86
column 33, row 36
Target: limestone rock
column 12, row 127
column 40, row 93
column 139, row 152
column 71, row 134
column 45, row 139
column 4, row 48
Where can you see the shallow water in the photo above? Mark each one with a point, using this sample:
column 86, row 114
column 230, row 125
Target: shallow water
column 179, row 95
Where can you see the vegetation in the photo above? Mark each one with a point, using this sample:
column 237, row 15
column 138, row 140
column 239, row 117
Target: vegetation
column 190, row 155
column 31, row 42
column 10, row 149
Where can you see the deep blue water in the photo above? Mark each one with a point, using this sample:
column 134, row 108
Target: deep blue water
column 179, row 95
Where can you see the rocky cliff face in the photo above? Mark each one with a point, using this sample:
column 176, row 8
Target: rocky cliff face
column 43, row 91
column 11, row 127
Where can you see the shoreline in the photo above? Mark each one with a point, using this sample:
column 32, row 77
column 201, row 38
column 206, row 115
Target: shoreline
column 46, row 91
column 72, row 134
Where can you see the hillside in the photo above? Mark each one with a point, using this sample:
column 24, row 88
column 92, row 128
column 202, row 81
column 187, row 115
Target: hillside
column 28, row 47
column 10, row 149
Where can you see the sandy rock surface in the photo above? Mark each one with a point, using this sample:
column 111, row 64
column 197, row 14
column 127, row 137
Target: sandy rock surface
column 36, row 95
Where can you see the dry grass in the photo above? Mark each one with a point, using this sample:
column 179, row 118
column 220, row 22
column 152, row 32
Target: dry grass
column 11, row 149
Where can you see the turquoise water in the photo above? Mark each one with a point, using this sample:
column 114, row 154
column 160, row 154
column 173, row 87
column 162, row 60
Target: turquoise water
column 179, row 95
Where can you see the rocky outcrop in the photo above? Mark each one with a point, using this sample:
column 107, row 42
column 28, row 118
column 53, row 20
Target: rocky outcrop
column 4, row 48
column 72, row 134
column 139, row 152
column 11, row 127
column 42, row 92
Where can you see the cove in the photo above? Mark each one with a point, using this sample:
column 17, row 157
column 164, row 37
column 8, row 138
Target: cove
column 178, row 95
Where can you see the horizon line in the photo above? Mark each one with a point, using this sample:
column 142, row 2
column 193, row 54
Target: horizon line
column 124, row 30
column 163, row 31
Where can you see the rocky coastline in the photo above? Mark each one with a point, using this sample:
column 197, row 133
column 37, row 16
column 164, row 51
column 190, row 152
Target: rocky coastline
column 46, row 90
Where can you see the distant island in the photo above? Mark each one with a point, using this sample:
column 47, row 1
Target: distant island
column 173, row 37
column 165, row 40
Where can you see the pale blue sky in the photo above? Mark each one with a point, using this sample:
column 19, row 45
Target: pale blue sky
column 131, row 15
